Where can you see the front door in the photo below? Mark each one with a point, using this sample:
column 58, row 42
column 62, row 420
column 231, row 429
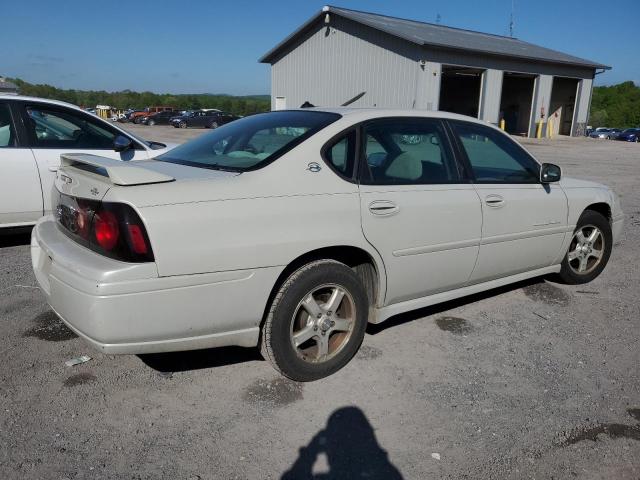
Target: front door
column 416, row 211
column 21, row 194
column 524, row 222
column 52, row 131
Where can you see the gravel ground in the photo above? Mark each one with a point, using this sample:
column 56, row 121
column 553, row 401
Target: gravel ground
column 536, row 380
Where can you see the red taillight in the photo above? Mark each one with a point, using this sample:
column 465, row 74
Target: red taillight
column 106, row 229
column 138, row 243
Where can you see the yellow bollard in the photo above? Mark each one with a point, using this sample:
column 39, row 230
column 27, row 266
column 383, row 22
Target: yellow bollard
column 550, row 128
column 539, row 130
column 502, row 124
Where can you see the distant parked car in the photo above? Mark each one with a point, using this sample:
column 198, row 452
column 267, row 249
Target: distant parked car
column 137, row 117
column 159, row 118
column 607, row 133
column 629, row 135
column 203, row 118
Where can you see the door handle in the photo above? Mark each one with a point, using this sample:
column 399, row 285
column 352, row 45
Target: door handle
column 383, row 207
column 495, row 201
column 53, row 168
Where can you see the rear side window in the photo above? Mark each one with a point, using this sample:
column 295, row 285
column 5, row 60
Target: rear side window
column 494, row 157
column 341, row 154
column 7, row 134
column 407, row 151
column 62, row 129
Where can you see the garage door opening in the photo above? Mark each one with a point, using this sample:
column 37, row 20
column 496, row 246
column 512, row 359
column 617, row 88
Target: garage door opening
column 562, row 106
column 460, row 90
column 515, row 102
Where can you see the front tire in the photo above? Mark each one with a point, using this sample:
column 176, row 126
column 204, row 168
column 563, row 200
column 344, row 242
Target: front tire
column 182, row 124
column 316, row 321
column 589, row 249
column 151, row 123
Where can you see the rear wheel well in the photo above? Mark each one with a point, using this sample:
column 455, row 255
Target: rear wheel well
column 602, row 208
column 356, row 258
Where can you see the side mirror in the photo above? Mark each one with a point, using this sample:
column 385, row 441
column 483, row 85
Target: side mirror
column 122, row 143
column 550, row 173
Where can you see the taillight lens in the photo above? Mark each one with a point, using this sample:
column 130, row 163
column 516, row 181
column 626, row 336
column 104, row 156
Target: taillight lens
column 105, row 227
column 111, row 229
column 138, row 242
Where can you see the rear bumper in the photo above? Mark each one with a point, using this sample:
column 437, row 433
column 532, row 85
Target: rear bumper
column 126, row 308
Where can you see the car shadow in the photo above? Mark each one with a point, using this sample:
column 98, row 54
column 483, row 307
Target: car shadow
column 217, row 357
column 350, row 450
column 173, row 362
column 15, row 237
column 402, row 318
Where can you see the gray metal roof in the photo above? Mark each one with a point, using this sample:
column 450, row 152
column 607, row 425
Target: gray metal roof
column 443, row 37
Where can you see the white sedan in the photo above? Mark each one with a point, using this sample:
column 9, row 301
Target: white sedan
column 34, row 132
column 293, row 229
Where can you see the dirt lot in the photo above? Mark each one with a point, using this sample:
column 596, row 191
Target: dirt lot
column 537, row 380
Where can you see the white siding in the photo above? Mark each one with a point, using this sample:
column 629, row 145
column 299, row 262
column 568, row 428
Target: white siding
column 541, row 98
column 334, row 64
column 490, row 96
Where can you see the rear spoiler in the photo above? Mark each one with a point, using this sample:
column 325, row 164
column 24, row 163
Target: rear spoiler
column 119, row 172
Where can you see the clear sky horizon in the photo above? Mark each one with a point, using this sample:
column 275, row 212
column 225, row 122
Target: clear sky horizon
column 213, row 47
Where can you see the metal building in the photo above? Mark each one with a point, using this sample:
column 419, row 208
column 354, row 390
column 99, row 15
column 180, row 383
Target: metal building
column 340, row 53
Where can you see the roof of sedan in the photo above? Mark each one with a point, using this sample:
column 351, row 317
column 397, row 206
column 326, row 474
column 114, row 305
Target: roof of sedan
column 376, row 112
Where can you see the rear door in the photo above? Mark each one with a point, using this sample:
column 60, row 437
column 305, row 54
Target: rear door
column 417, row 210
column 53, row 130
column 21, row 193
column 524, row 222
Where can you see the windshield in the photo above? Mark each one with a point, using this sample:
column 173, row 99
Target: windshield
column 631, row 130
column 251, row 142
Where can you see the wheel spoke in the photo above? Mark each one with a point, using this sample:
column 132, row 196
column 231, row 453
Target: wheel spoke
column 595, row 253
column 323, row 345
column 303, row 335
column 573, row 254
column 583, row 264
column 335, row 300
column 341, row 325
column 580, row 237
column 593, row 236
column 311, row 306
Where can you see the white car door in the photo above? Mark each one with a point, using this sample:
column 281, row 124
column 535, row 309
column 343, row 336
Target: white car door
column 416, row 211
column 20, row 194
column 524, row 221
column 54, row 130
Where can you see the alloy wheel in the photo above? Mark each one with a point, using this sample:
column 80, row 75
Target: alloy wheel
column 586, row 249
column 322, row 323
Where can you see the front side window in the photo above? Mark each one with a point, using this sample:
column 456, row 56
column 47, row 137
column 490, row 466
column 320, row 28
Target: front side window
column 251, row 142
column 407, row 151
column 62, row 129
column 494, row 157
column 7, row 135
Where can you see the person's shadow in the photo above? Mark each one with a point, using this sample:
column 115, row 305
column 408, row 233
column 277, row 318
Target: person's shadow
column 351, row 450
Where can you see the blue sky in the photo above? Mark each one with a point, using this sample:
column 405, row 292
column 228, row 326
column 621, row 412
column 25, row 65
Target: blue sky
column 195, row 46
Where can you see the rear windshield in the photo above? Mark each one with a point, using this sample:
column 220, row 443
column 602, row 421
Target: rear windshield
column 251, row 142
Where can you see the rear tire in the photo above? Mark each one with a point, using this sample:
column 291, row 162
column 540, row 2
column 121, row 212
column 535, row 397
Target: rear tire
column 316, row 322
column 589, row 249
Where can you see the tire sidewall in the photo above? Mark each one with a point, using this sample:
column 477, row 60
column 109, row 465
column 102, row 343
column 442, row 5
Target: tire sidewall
column 283, row 351
column 588, row 217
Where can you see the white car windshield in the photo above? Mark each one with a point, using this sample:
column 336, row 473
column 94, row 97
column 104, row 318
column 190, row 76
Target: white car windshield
column 251, row 142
